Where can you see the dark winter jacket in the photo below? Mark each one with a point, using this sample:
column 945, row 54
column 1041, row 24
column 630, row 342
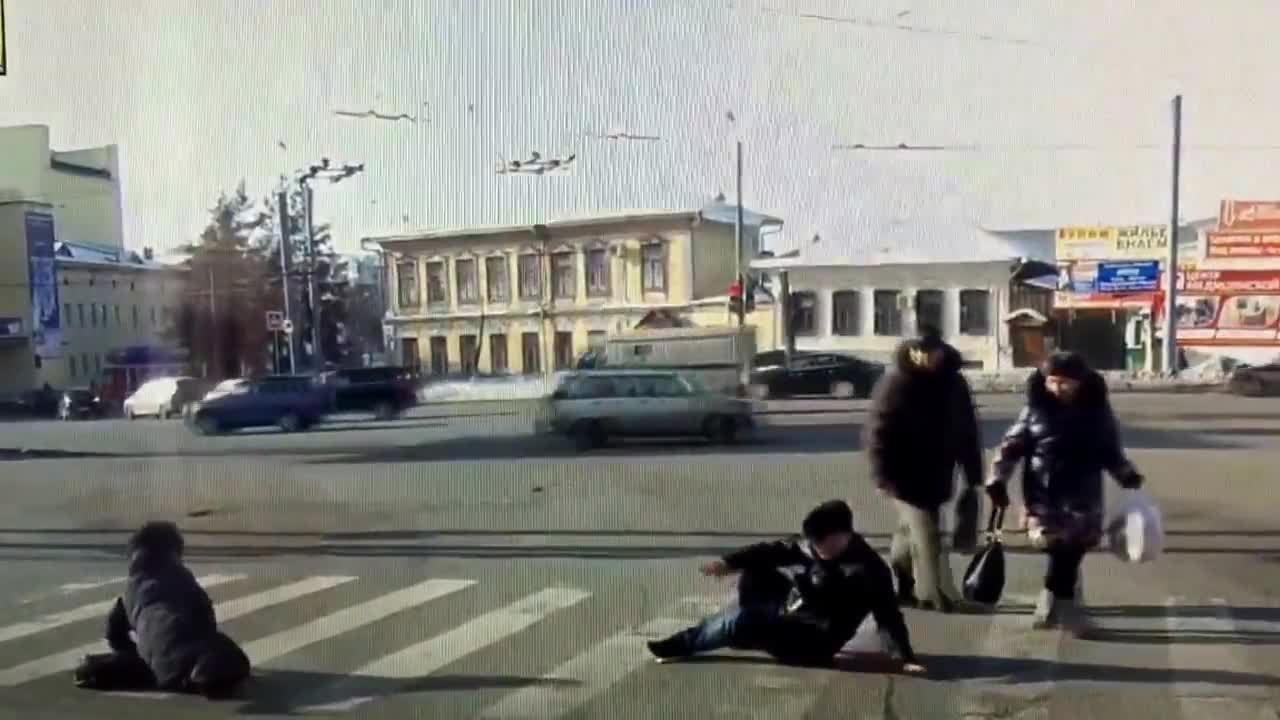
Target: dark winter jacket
column 1064, row 448
column 169, row 612
column 921, row 426
column 836, row 595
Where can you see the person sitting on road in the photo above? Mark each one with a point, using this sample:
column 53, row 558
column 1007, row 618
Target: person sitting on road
column 838, row 580
column 178, row 647
column 1067, row 435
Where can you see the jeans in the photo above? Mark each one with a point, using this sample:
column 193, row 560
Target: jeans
column 1063, row 573
column 919, row 559
column 759, row 622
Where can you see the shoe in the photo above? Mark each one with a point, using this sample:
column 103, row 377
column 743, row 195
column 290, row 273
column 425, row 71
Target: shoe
column 941, row 603
column 1045, row 615
column 1071, row 617
column 669, row 650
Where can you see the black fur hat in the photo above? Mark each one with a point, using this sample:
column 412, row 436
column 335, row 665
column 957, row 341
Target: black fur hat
column 1067, row 365
column 159, row 537
column 830, row 517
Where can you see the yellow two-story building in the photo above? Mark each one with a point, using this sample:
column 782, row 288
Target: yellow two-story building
column 529, row 299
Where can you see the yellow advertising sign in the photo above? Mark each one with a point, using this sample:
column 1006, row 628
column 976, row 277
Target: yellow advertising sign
column 1127, row 242
column 2, row 58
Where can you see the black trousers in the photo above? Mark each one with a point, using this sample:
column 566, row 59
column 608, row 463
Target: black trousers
column 1063, row 572
column 219, row 669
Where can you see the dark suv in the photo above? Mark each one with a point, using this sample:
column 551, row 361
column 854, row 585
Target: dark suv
column 384, row 391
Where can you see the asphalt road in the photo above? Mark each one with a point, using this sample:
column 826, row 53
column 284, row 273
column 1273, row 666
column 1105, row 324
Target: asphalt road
column 449, row 566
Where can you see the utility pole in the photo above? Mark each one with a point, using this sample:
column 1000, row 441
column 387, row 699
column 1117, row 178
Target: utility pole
column 1171, row 270
column 737, row 246
column 317, row 358
column 283, row 210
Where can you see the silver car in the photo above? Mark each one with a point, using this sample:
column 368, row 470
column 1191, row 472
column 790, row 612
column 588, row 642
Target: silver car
column 595, row 405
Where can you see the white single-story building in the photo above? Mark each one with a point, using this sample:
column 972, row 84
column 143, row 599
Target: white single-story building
column 967, row 282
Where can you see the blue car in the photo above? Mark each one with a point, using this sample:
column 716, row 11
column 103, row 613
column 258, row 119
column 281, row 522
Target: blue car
column 291, row 403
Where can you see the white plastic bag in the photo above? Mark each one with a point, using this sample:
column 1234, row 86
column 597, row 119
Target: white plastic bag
column 1135, row 532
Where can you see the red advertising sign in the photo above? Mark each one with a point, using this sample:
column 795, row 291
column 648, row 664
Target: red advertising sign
column 1229, row 307
column 1249, row 215
column 1242, row 244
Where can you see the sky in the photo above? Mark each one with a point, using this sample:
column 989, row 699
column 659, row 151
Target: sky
column 1066, row 101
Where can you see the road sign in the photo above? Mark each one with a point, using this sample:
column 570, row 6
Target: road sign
column 275, row 320
column 287, row 327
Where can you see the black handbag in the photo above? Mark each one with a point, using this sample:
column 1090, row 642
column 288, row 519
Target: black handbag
column 984, row 579
column 964, row 538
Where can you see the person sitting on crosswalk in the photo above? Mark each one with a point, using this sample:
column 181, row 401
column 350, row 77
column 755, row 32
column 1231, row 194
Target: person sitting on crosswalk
column 804, row 616
column 178, row 646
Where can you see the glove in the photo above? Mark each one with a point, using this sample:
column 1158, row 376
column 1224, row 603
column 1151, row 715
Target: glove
column 998, row 493
column 1131, row 480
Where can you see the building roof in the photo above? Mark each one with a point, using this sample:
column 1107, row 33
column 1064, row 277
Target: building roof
column 106, row 256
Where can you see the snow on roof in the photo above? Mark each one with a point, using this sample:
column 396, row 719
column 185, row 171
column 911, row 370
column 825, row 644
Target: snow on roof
column 91, row 254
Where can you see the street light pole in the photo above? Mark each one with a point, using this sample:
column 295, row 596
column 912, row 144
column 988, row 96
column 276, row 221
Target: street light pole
column 737, row 246
column 1171, row 272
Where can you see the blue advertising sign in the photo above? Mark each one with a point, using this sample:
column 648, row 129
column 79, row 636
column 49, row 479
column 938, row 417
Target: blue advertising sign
column 46, row 323
column 1128, row 277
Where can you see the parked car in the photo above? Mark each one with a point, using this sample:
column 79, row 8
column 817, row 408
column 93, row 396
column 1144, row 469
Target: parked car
column 290, row 402
column 384, row 391
column 1255, row 380
column 80, row 403
column 812, row 373
column 163, row 397
column 593, row 406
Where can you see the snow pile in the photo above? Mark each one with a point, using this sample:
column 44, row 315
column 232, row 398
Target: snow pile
column 488, row 389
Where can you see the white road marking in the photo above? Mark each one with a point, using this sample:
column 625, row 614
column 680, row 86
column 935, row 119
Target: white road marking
column 431, row 655
column 86, row 612
column 284, row 642
column 229, row 610
column 1010, row 637
column 1208, row 700
column 70, row 589
column 594, row 671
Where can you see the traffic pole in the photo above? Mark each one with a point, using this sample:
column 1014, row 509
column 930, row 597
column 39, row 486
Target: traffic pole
column 1171, row 271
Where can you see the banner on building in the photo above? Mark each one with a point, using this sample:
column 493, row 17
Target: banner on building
column 1229, row 307
column 46, row 323
column 1142, row 276
column 1244, row 215
column 1126, row 242
column 1235, row 244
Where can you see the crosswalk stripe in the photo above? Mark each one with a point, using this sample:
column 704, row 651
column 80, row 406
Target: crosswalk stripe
column 71, row 588
column 1009, row 636
column 427, row 657
column 1195, row 696
column 229, row 610
column 284, row 642
column 86, row 612
column 592, row 672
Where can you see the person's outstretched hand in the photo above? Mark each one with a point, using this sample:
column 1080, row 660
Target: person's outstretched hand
column 717, row 569
column 914, row 669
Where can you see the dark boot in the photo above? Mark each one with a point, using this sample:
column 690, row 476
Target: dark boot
column 906, row 587
column 670, row 649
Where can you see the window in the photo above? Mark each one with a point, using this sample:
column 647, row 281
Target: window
column 888, row 318
column 653, row 267
column 153, row 316
column 530, row 353
column 498, row 353
column 495, row 276
column 596, row 340
column 66, row 313
column 97, row 362
column 71, row 365
column 437, row 284
column 564, row 350
column 598, row 272
column 804, row 307
column 93, row 315
column 135, row 317
column 929, row 310
column 118, row 322
column 409, row 353
column 846, row 312
column 468, row 282
column 975, row 312
column 470, row 350
column 439, row 355
column 563, row 285
column 407, row 283
column 84, row 364
column 530, row 269
column 80, row 313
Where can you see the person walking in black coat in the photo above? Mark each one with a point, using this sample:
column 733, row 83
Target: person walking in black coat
column 801, row 599
column 178, row 646
column 1064, row 438
column 923, row 425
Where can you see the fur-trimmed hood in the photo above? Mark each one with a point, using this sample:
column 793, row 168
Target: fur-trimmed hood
column 952, row 361
column 1093, row 392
